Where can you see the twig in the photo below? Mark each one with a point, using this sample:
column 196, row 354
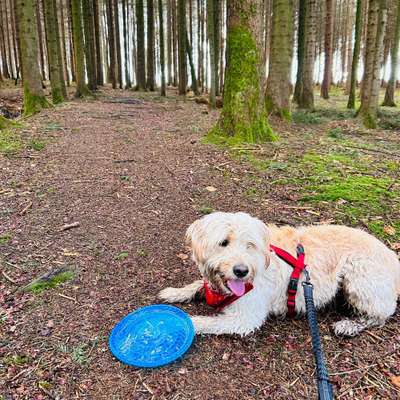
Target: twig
column 26, row 208
column 9, row 278
column 70, row 226
column 374, row 150
column 13, row 265
column 148, row 388
column 67, row 297
column 123, row 161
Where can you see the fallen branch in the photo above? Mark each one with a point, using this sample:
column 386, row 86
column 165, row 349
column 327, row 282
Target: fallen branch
column 9, row 278
column 70, row 226
column 26, row 208
column 123, row 161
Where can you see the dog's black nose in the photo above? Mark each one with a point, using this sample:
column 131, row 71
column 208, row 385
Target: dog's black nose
column 240, row 270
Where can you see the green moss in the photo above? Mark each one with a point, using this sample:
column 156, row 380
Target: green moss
column 205, row 210
column 56, row 280
column 243, row 114
column 121, row 256
column 378, row 229
column 33, row 103
column 369, row 120
column 37, row 144
column 5, row 238
column 7, row 123
column 16, row 360
column 10, row 142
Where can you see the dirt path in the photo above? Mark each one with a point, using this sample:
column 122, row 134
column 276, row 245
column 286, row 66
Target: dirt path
column 134, row 174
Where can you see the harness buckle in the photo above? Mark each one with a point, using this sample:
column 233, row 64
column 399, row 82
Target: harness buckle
column 293, row 283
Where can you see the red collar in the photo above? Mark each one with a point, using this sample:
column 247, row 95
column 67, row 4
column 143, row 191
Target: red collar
column 218, row 300
column 298, row 266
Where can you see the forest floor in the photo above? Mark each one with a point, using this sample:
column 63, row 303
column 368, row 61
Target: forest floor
column 105, row 188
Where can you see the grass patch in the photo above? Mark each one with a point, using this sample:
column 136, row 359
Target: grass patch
column 307, row 118
column 16, row 360
column 121, row 256
column 205, row 210
column 36, row 144
column 10, row 142
column 49, row 281
column 5, row 238
column 389, row 119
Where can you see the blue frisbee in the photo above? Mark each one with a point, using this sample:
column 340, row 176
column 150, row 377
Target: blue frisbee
column 152, row 336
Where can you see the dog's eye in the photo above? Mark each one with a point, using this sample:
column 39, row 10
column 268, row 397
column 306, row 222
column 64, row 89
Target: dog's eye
column 224, row 243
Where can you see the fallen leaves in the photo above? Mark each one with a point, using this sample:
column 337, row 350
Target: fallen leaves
column 211, row 189
column 395, row 380
column 389, row 230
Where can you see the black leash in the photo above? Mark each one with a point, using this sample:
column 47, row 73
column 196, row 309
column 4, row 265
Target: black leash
column 325, row 391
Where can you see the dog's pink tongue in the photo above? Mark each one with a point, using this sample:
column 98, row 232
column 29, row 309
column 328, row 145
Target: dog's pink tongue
column 237, row 286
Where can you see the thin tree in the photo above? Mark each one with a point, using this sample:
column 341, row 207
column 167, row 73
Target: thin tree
column 53, row 48
column 182, row 47
column 377, row 18
column 118, row 44
column 6, row 72
column 304, row 92
column 128, row 83
column 351, row 104
column 391, row 85
column 213, row 44
column 326, row 83
column 97, row 36
column 162, row 49
column 141, row 61
column 77, row 30
column 243, row 114
column 34, row 98
column 150, row 83
column 280, row 61
column 192, row 69
column 112, row 72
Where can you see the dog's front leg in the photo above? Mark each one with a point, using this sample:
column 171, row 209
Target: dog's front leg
column 232, row 321
column 181, row 295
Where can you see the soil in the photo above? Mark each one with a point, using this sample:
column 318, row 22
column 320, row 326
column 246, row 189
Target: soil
column 133, row 172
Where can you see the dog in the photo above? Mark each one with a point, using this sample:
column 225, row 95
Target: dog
column 233, row 249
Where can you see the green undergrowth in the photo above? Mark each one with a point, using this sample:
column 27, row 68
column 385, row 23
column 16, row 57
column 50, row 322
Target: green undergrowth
column 10, row 142
column 56, row 280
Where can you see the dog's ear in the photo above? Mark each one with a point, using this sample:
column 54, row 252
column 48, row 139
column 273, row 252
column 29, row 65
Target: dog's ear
column 190, row 232
column 194, row 235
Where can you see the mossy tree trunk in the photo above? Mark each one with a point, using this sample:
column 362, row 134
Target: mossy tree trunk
column 54, row 50
column 377, row 18
column 326, row 82
column 243, row 114
column 356, row 55
column 305, row 83
column 391, row 85
column 150, row 83
column 277, row 98
column 34, row 99
column 141, row 60
column 162, row 49
column 182, row 47
column 79, row 49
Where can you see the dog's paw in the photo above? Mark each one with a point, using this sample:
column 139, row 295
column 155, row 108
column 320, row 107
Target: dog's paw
column 347, row 328
column 172, row 295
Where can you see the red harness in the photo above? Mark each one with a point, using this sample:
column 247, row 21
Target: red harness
column 216, row 299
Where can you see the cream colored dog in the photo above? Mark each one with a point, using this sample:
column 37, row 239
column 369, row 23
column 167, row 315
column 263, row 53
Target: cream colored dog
column 233, row 248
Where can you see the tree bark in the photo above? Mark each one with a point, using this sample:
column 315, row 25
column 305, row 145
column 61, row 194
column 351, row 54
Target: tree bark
column 182, row 47
column 77, row 30
column 150, row 46
column 277, row 99
column 326, row 83
column 53, row 48
column 391, row 85
column 34, row 99
column 97, row 35
column 162, row 50
column 141, row 61
column 112, row 72
column 212, row 42
column 356, row 55
column 305, row 83
column 90, row 48
column 118, row 44
column 243, row 114
column 128, row 83
column 377, row 18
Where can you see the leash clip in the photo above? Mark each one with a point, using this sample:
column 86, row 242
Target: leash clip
column 307, row 282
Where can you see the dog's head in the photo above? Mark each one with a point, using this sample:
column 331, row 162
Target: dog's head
column 230, row 249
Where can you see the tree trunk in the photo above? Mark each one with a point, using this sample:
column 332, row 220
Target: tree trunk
column 34, row 99
column 391, row 85
column 90, row 49
column 118, row 44
column 169, row 42
column 3, row 52
column 53, row 48
column 326, row 83
column 141, row 61
column 305, row 84
column 356, row 55
column 63, row 45
column 243, row 114
column 97, row 35
column 162, row 50
column 377, row 18
column 212, row 42
column 278, row 89
column 182, row 47
column 41, row 39
column 192, row 69
column 150, row 46
column 112, row 72
column 128, row 83
column 217, row 35
column 77, row 31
